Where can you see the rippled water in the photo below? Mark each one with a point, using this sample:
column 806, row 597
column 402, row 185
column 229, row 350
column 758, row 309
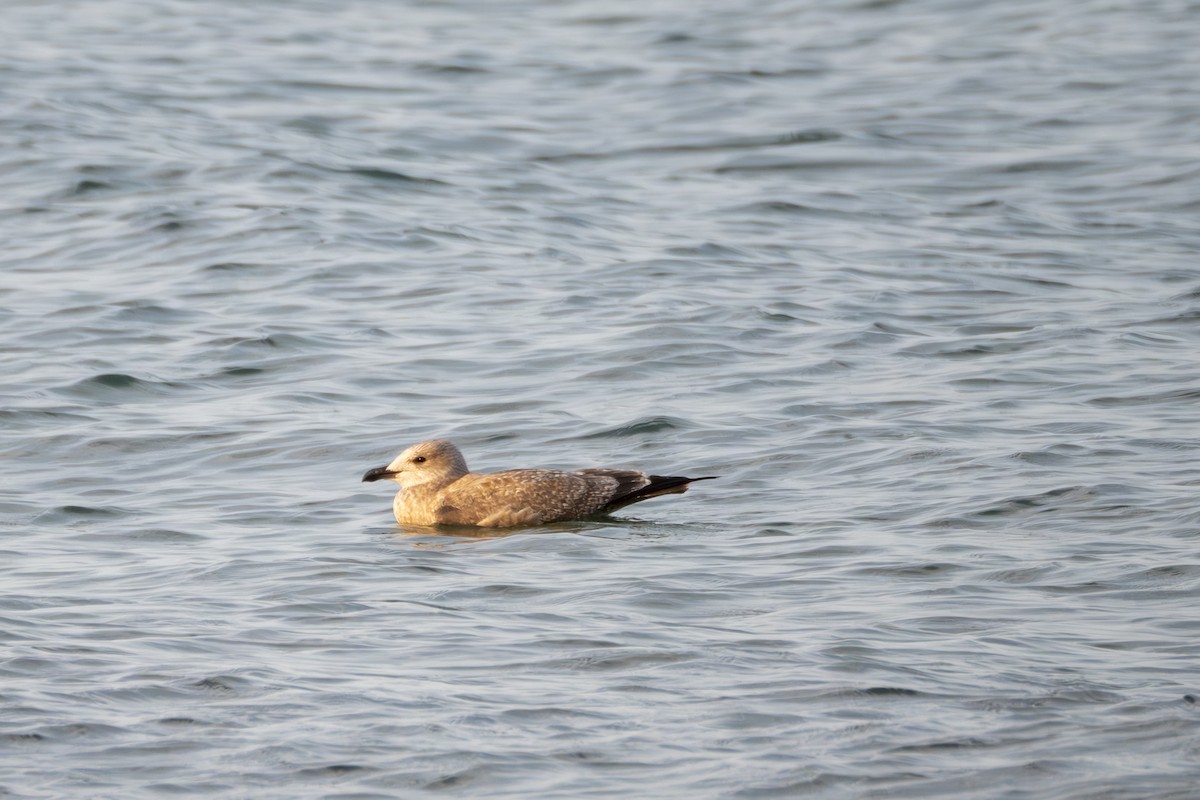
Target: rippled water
column 918, row 279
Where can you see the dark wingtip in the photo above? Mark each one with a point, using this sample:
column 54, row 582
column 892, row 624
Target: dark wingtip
column 659, row 485
column 377, row 474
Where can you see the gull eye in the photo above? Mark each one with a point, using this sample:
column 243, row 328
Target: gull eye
column 419, row 460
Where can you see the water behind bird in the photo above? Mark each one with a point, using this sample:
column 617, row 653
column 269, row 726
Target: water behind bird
column 916, row 279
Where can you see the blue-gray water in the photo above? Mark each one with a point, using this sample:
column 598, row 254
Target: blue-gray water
column 919, row 279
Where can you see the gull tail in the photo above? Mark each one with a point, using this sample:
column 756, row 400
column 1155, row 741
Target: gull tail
column 658, row 485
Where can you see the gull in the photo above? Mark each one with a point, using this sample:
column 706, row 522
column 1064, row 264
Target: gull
column 436, row 488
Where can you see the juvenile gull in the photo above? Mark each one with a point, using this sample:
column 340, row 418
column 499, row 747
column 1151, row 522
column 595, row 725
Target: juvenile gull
column 437, row 489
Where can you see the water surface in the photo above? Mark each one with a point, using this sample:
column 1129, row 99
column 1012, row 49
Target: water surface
column 917, row 279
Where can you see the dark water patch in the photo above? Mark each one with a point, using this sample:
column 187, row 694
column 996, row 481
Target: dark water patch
column 500, row 590
column 887, row 691
column 1191, row 294
column 975, row 350
column 1166, row 397
column 816, row 784
column 774, row 532
column 221, row 684
column 449, row 68
column 239, row 372
column 315, row 399
column 786, row 208
column 763, row 164
column 79, row 731
column 319, row 86
column 626, row 661
column 26, row 418
column 1048, row 165
column 165, row 789
column 140, row 312
column 166, row 535
column 89, row 186
column 991, row 329
column 549, row 715
column 787, row 312
column 69, row 511
column 76, row 311
column 334, row 771
column 110, row 387
column 1165, row 574
column 1062, row 698
column 641, row 427
column 1024, row 575
column 707, row 146
column 282, row 341
column 1046, row 501
column 922, row 571
column 180, row 721
column 967, row 743
column 238, row 266
column 742, row 721
column 503, row 408
column 298, row 611
column 381, row 175
column 576, row 643
column 1054, row 455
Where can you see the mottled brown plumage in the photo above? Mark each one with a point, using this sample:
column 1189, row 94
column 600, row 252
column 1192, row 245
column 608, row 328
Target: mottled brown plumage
column 438, row 489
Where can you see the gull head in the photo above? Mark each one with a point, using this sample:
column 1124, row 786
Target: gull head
column 437, row 461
